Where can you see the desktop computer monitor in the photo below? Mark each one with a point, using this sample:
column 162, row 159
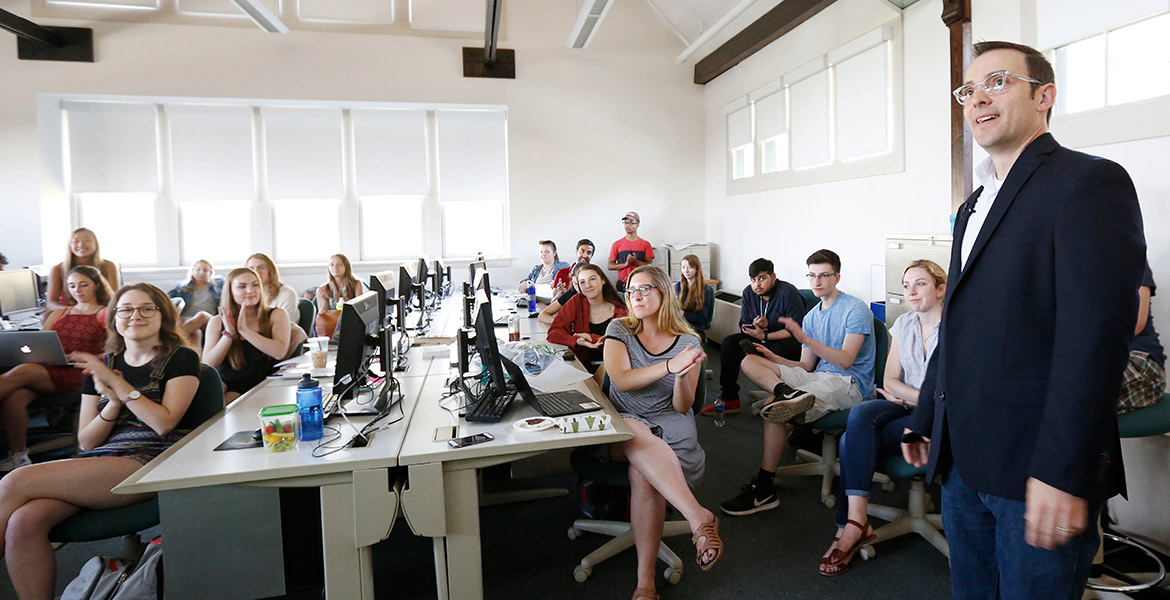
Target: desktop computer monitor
column 488, row 348
column 442, row 274
column 473, row 270
column 385, row 285
column 19, row 292
column 358, row 336
column 420, row 286
column 407, row 277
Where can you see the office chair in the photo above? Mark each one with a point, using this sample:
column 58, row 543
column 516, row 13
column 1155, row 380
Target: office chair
column 616, row 474
column 914, row 518
column 52, row 439
column 308, row 310
column 127, row 521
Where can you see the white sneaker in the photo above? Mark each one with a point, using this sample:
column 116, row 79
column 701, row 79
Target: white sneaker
column 15, row 462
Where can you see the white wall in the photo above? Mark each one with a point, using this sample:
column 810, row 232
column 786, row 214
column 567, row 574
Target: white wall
column 592, row 133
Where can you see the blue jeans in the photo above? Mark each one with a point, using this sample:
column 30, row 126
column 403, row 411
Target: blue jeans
column 990, row 559
column 874, row 431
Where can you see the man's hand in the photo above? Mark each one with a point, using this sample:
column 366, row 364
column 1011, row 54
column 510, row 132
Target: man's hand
column 768, row 354
column 917, row 453
column 754, row 331
column 761, row 322
column 794, row 328
column 1052, row 516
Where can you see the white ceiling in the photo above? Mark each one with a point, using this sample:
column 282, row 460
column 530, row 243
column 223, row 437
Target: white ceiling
column 690, row 18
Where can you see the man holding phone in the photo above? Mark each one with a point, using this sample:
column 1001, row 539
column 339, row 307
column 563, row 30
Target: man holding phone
column 765, row 300
column 629, row 252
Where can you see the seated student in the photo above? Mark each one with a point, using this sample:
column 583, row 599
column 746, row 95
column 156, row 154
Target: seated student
column 3, row 261
column 83, row 250
column 696, row 297
column 1145, row 374
column 246, row 338
column 563, row 282
column 582, row 323
column 654, row 362
column 835, row 372
column 875, row 428
column 549, row 313
column 766, row 300
column 82, row 328
column 132, row 400
column 279, row 294
column 546, row 270
column 200, row 294
column 341, row 285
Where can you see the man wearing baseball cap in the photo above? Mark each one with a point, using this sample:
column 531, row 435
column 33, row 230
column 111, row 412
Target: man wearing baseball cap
column 630, row 252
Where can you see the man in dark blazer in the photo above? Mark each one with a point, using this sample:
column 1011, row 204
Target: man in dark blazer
column 1018, row 409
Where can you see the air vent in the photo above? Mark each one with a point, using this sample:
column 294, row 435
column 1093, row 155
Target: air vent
column 592, row 12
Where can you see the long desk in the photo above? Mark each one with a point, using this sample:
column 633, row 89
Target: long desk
column 359, row 499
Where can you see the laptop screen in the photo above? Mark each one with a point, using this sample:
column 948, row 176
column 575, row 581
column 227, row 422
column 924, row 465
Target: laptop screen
column 18, row 291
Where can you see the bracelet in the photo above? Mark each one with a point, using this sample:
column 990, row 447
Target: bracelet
column 668, row 367
column 114, row 420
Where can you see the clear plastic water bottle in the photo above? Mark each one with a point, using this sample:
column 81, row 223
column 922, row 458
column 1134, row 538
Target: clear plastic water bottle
column 531, row 297
column 309, row 409
column 513, row 327
column 720, row 407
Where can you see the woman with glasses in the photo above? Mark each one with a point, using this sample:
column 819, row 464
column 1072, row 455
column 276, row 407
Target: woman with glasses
column 81, row 328
column 200, row 294
column 875, row 427
column 83, row 250
column 132, row 401
column 247, row 338
column 582, row 323
column 654, row 362
column 546, row 270
column 278, row 293
column 695, row 296
column 340, row 286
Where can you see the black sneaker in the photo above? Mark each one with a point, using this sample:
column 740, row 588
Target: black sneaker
column 787, row 392
column 752, row 499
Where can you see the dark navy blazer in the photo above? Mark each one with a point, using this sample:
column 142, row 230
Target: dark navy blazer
column 1035, row 330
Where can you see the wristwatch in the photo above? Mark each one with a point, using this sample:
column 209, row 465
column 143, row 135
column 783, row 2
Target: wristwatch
column 132, row 396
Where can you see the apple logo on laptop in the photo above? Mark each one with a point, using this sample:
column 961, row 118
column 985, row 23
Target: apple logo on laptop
column 26, row 349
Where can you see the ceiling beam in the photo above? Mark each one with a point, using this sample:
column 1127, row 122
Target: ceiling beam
column 72, row 44
column 785, row 17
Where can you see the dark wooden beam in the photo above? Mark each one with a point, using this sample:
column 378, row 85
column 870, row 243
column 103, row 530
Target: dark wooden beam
column 956, row 14
column 785, row 17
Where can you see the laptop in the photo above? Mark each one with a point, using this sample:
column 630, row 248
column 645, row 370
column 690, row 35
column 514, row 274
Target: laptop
column 43, row 347
column 554, row 404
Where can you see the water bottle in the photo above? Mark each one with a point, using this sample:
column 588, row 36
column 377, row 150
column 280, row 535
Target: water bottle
column 531, row 297
column 309, row 407
column 719, row 411
column 513, row 327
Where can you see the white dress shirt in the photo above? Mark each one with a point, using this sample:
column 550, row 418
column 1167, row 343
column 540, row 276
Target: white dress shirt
column 985, row 173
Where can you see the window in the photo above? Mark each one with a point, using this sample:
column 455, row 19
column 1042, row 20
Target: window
column 1119, row 66
column 772, row 131
column 167, row 181
column 739, row 139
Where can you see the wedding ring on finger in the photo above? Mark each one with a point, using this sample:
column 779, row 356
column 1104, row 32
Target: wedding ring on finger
column 1063, row 530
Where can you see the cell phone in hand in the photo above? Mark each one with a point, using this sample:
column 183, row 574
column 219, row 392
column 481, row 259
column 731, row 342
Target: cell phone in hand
column 471, row 440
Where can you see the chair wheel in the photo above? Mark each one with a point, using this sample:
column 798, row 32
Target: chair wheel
column 867, row 552
column 672, row 575
column 574, row 533
column 581, row 573
column 830, row 501
column 888, row 486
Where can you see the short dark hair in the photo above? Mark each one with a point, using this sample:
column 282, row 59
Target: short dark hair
column 3, row 259
column 825, row 257
column 585, row 242
column 1038, row 67
column 760, row 265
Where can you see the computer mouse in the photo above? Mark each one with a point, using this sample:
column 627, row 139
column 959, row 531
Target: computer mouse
column 257, row 435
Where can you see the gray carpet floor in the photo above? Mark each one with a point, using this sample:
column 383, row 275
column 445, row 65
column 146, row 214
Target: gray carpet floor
column 771, row 555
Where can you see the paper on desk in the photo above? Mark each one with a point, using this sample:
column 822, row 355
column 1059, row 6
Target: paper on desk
column 557, row 376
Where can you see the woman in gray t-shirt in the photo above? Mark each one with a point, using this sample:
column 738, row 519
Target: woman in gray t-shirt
column 654, row 362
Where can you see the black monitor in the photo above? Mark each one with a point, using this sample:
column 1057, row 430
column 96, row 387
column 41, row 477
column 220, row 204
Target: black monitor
column 488, row 348
column 474, row 268
column 19, row 292
column 385, row 284
column 358, row 331
column 420, row 286
column 407, row 277
column 442, row 275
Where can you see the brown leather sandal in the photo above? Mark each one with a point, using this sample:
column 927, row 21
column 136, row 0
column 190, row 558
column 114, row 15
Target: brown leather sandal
column 843, row 559
column 828, row 560
column 711, row 541
column 645, row 594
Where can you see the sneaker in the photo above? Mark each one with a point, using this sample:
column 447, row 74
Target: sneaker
column 15, row 462
column 730, row 407
column 759, row 399
column 753, row 498
column 787, row 392
column 783, row 411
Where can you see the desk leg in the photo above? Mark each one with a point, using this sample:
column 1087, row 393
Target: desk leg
column 464, row 566
column 441, row 568
column 348, row 572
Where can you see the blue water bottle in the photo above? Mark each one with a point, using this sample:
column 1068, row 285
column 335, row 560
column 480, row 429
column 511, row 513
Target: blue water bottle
column 531, row 297
column 309, row 407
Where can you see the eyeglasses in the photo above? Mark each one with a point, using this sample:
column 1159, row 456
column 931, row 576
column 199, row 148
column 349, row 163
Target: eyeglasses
column 640, row 291
column 993, row 85
column 820, row 275
column 146, row 312
column 630, row 221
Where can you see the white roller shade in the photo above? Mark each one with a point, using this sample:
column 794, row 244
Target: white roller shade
column 391, row 151
column 862, row 104
column 211, row 152
column 770, row 116
column 1059, row 22
column 739, row 128
column 810, row 121
column 113, row 146
column 473, row 149
column 304, row 152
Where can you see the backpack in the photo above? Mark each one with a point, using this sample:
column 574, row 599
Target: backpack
column 104, row 578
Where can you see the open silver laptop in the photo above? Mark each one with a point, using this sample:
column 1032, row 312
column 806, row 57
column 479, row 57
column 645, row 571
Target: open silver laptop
column 43, row 347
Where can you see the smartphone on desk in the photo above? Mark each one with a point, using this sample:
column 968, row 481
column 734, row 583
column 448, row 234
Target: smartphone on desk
column 471, row 440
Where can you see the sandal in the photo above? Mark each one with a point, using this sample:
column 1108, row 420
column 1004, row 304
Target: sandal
column 828, row 560
column 711, row 541
column 645, row 594
column 843, row 559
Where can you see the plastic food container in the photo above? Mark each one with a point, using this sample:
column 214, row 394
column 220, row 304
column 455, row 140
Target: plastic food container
column 278, row 426
column 580, row 423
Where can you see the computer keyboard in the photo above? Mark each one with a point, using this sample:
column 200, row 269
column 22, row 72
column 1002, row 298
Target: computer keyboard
column 490, row 409
column 554, row 404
